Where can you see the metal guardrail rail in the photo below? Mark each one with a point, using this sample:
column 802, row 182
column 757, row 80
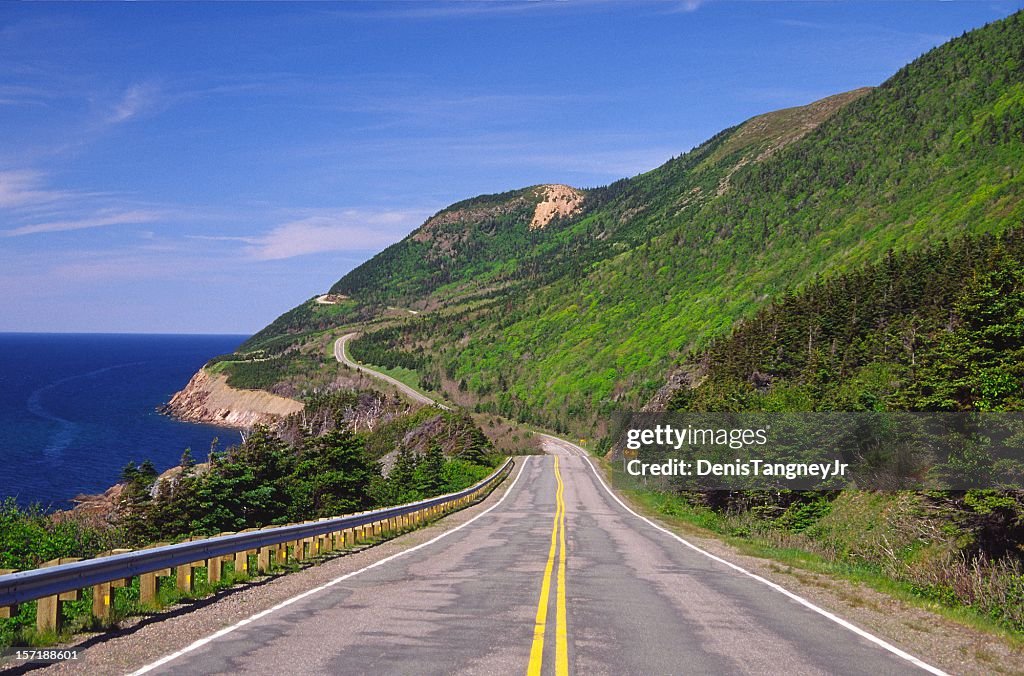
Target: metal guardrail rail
column 63, row 579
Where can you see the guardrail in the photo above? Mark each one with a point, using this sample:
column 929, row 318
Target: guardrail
column 64, row 579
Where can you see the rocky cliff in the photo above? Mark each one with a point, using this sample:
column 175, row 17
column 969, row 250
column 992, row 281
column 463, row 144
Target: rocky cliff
column 209, row 399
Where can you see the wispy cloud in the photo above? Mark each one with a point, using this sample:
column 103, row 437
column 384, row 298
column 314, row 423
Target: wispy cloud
column 347, row 230
column 591, row 156
column 859, row 28
column 23, row 95
column 466, row 8
column 687, row 6
column 22, row 187
column 32, row 206
column 134, row 101
column 98, row 221
column 800, row 23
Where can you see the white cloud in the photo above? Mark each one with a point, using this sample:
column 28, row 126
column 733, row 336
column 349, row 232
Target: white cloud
column 466, row 8
column 24, row 187
column 687, row 6
column 97, row 221
column 134, row 101
column 349, row 230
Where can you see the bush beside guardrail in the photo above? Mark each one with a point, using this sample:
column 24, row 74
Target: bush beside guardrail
column 66, row 579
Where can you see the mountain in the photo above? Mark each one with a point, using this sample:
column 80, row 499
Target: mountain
column 561, row 321
column 489, row 244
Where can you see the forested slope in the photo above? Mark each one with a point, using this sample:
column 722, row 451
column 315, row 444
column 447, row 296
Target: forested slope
column 585, row 316
column 935, row 152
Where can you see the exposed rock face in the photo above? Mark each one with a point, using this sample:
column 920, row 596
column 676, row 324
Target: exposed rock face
column 105, row 508
column 559, row 200
column 209, row 399
column 688, row 376
column 93, row 510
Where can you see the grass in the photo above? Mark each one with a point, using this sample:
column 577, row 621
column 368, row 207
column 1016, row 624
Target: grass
column 683, row 518
column 403, row 375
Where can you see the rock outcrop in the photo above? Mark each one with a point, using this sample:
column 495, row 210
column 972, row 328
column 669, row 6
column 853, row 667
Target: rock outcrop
column 209, row 399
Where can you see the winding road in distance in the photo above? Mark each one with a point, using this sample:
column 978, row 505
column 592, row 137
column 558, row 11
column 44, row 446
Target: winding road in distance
column 342, row 356
column 556, row 576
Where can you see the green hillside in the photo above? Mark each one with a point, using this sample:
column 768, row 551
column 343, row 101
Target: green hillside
column 485, row 248
column 562, row 323
column 937, row 329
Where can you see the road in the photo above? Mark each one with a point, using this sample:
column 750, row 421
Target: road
column 556, row 576
column 341, row 355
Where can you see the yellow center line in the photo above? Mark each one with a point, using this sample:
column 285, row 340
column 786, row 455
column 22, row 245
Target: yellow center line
column 540, row 624
column 561, row 632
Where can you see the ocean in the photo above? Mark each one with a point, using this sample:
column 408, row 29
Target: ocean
column 75, row 408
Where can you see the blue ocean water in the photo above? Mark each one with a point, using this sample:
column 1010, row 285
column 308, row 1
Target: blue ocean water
column 75, row 408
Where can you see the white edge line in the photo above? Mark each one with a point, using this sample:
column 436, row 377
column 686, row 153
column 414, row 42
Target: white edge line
column 283, row 604
column 799, row 599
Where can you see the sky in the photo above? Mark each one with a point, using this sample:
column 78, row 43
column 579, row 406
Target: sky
column 202, row 168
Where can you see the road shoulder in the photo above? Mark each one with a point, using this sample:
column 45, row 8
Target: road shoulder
column 950, row 645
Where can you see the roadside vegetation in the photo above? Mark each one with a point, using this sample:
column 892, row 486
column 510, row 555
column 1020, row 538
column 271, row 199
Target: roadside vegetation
column 863, row 253
column 920, row 548
column 938, row 329
column 328, row 460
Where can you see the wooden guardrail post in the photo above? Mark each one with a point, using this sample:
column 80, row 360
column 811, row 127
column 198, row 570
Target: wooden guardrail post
column 185, row 579
column 323, row 542
column 148, row 582
column 281, row 553
column 310, row 547
column 7, row 612
column 103, row 593
column 148, row 585
column 242, row 558
column 263, row 558
column 215, row 566
column 48, row 615
column 214, row 569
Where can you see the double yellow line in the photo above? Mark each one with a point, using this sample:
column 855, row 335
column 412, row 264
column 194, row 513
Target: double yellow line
column 540, row 625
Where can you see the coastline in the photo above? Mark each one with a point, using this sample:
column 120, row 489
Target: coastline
column 208, row 399
column 78, row 407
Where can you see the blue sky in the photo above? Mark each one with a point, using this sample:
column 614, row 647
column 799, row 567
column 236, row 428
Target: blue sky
column 201, row 168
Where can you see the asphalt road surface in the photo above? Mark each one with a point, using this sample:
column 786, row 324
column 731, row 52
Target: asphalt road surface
column 558, row 577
